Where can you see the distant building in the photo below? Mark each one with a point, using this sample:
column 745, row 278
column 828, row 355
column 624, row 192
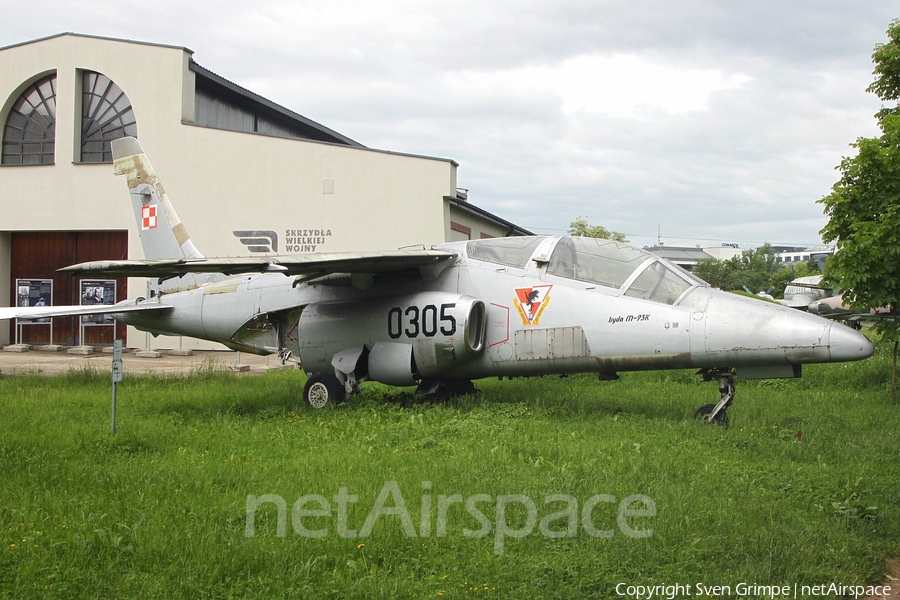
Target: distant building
column 687, row 257
column 723, row 252
column 803, row 255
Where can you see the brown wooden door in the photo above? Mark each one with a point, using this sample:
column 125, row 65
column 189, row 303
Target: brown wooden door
column 38, row 255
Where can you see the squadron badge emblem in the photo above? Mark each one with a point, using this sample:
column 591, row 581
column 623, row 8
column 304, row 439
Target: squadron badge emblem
column 531, row 301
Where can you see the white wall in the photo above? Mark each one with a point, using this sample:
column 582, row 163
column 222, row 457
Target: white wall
column 722, row 252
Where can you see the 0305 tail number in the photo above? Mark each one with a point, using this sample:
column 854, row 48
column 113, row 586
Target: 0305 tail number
column 427, row 320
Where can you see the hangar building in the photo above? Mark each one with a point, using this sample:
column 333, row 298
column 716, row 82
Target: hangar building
column 245, row 175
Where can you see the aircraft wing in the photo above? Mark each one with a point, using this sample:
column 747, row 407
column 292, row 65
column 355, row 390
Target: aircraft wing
column 299, row 264
column 834, row 308
column 809, row 286
column 38, row 312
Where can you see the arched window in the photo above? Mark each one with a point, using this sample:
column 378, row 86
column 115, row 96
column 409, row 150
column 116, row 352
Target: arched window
column 29, row 137
column 106, row 115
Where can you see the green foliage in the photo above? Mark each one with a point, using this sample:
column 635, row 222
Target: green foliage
column 887, row 68
column 754, row 269
column 783, row 276
column 581, row 227
column 723, row 274
column 864, row 206
column 864, row 221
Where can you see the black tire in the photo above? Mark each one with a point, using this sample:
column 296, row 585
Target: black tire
column 322, row 389
column 704, row 411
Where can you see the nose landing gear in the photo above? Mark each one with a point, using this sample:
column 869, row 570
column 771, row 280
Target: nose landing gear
column 716, row 413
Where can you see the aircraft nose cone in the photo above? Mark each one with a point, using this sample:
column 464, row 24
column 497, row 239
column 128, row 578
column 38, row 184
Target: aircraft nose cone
column 848, row 344
column 744, row 332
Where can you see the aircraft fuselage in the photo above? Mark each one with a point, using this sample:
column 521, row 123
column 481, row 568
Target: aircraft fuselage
column 536, row 319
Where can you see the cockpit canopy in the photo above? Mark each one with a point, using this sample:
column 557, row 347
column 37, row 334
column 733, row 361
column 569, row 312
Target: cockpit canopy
column 511, row 251
column 600, row 262
column 603, row 262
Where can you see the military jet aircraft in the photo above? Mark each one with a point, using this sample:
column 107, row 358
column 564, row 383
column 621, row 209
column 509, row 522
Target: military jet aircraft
column 807, row 293
column 439, row 318
column 803, row 291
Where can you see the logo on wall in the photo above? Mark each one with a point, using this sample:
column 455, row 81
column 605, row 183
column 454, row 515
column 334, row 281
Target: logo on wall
column 531, row 301
column 148, row 217
column 258, row 240
column 296, row 240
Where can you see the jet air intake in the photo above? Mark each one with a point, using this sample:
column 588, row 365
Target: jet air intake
column 408, row 337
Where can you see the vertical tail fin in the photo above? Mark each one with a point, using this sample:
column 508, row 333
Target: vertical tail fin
column 162, row 233
column 163, row 236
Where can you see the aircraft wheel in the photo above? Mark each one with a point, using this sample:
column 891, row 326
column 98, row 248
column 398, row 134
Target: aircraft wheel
column 322, row 388
column 704, row 411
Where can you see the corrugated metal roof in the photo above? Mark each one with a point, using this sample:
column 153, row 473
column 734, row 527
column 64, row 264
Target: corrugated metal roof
column 677, row 254
column 256, row 101
column 511, row 228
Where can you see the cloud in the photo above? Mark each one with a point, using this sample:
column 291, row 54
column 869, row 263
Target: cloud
column 620, row 85
column 630, row 86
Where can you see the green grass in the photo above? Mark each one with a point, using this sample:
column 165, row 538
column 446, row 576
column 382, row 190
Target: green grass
column 161, row 509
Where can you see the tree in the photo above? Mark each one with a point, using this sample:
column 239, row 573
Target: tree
column 581, row 227
column 887, row 69
column 720, row 274
column 753, row 269
column 864, row 205
column 783, row 277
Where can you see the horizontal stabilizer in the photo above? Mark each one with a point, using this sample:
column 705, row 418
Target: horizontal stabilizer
column 38, row 312
column 300, row 264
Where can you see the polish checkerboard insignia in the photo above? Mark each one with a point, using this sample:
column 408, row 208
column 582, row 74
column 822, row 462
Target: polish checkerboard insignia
column 148, row 217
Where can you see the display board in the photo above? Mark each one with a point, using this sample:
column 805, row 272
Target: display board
column 98, row 291
column 34, row 292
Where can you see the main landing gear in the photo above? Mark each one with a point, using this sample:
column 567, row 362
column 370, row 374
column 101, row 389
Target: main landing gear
column 322, row 388
column 716, row 413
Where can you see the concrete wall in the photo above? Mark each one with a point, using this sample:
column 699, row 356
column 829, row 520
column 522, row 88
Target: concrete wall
column 723, row 252
column 464, row 226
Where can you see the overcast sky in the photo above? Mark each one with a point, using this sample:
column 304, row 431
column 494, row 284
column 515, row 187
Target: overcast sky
column 707, row 121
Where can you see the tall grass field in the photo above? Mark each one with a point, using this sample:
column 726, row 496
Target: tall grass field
column 218, row 486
